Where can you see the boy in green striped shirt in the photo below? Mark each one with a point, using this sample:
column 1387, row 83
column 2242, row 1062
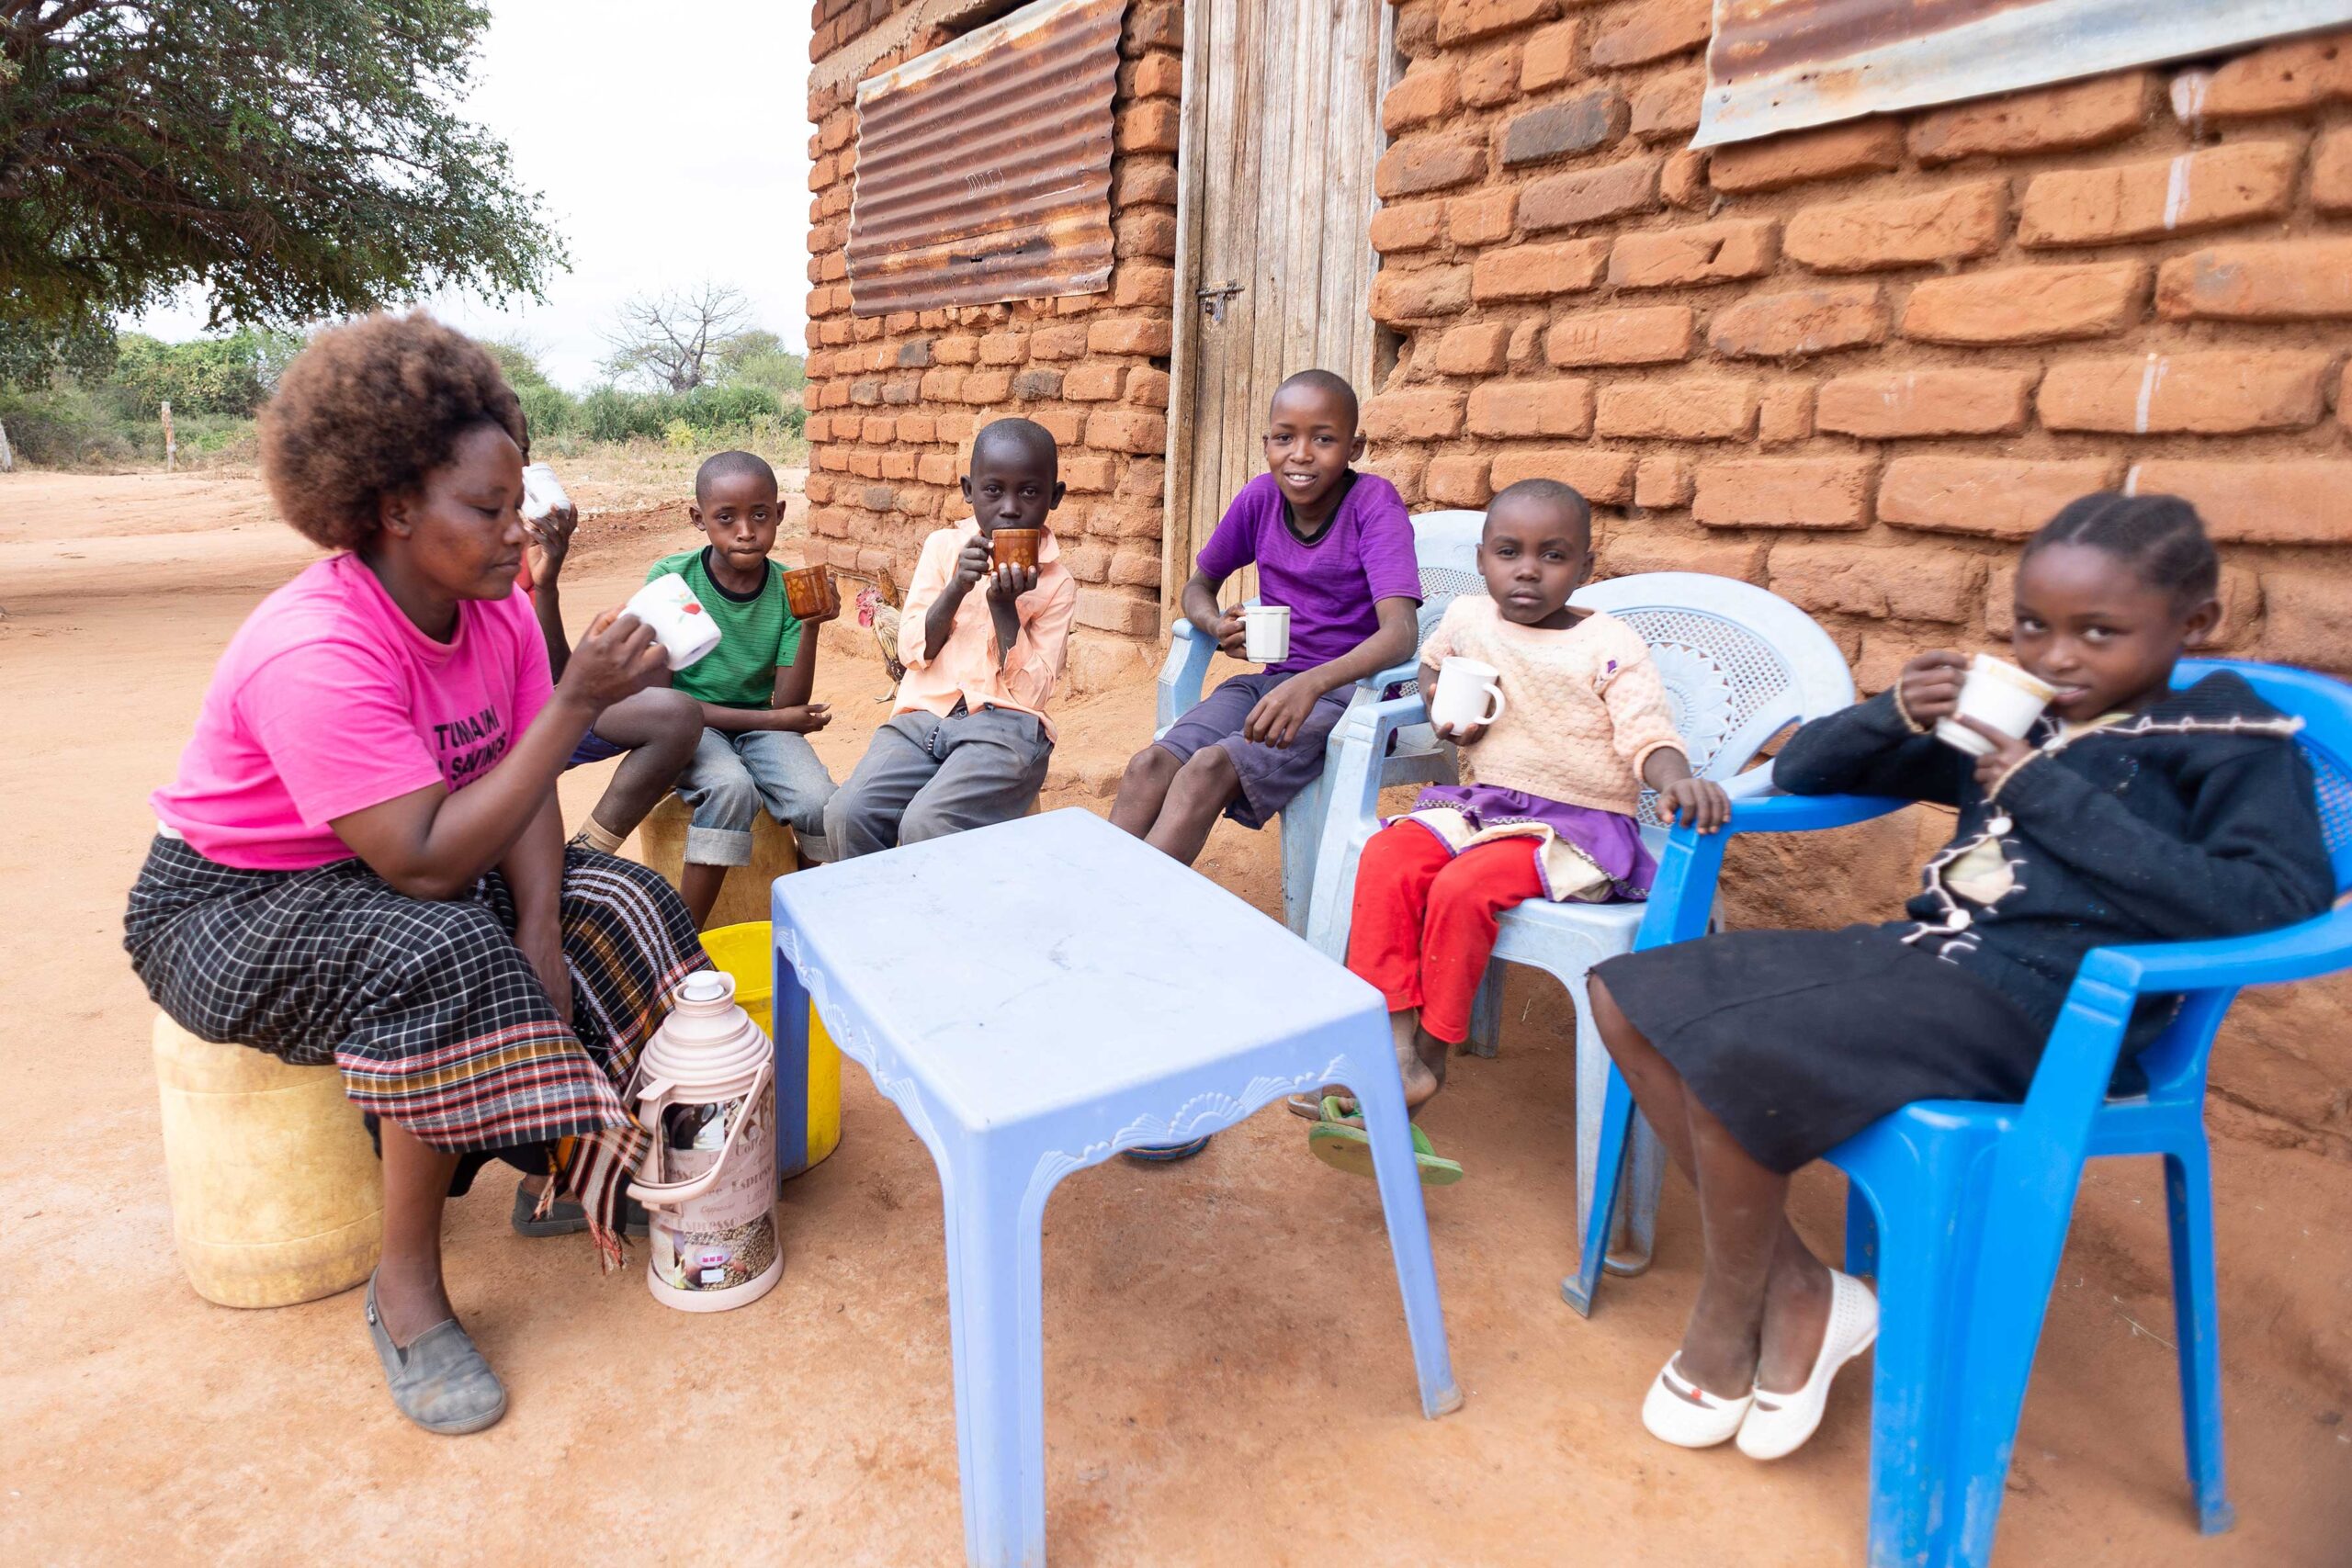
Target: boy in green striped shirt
column 753, row 686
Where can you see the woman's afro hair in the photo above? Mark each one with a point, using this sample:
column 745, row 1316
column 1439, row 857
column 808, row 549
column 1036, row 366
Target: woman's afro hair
column 365, row 410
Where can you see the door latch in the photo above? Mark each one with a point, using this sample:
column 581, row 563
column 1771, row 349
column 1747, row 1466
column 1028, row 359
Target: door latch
column 1213, row 300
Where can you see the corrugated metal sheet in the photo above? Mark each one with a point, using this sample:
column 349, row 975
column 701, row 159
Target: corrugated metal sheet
column 1779, row 65
column 984, row 167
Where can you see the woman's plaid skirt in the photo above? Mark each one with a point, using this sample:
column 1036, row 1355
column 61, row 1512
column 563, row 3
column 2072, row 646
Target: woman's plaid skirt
column 434, row 1015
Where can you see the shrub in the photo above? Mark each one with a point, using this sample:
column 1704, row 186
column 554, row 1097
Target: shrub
column 548, row 410
column 230, row 375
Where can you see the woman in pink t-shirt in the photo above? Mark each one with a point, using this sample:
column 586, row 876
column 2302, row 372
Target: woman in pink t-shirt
column 362, row 862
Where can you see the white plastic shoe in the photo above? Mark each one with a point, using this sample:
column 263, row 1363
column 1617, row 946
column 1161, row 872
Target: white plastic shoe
column 1779, row 1424
column 1678, row 1411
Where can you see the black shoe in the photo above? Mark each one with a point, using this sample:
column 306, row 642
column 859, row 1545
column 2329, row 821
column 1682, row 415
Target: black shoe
column 568, row 1216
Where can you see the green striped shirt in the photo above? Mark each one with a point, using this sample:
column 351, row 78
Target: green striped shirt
column 755, row 634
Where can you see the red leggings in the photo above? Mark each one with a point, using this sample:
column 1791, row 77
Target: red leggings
column 1425, row 919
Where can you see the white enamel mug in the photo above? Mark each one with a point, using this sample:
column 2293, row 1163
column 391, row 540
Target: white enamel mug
column 680, row 624
column 1998, row 693
column 1265, row 630
column 1469, row 692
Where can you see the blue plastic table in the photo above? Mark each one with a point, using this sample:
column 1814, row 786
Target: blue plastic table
column 1036, row 997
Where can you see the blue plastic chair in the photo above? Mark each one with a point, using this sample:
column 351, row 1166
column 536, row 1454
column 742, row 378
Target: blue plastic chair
column 1944, row 1183
column 1445, row 545
column 1740, row 666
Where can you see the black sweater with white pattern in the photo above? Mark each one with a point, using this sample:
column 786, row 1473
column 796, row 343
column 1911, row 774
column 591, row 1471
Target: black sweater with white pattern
column 2193, row 818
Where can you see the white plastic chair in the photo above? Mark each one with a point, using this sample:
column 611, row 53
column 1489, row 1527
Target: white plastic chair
column 1740, row 666
column 1445, row 546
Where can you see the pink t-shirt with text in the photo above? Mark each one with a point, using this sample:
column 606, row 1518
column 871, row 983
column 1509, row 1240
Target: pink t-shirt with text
column 329, row 701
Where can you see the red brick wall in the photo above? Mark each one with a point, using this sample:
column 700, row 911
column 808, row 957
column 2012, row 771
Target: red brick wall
column 893, row 399
column 1856, row 364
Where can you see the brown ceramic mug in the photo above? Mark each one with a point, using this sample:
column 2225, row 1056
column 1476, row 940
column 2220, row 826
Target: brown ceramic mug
column 810, row 593
column 1015, row 547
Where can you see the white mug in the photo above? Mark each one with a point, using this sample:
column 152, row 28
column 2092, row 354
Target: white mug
column 680, row 624
column 1469, row 692
column 542, row 491
column 1265, row 630
column 1997, row 693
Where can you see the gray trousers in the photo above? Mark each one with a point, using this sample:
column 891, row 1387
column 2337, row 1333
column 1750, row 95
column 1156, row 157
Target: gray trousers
column 733, row 777
column 923, row 777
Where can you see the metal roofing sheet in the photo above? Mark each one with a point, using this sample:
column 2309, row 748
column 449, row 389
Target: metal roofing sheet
column 984, row 166
column 1779, row 65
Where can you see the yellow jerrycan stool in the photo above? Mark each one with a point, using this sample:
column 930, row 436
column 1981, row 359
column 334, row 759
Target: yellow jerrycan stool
column 276, row 1194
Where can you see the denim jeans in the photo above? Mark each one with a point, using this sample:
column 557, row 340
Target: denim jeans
column 733, row 776
column 922, row 777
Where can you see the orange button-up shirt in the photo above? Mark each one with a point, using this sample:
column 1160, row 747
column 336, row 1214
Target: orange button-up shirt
column 971, row 666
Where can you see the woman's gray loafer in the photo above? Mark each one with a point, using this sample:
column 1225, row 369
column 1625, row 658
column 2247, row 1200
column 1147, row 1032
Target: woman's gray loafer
column 441, row 1381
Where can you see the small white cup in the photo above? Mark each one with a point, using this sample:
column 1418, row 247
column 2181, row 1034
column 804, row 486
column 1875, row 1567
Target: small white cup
column 1266, row 631
column 1469, row 692
column 1998, row 693
column 680, row 624
column 542, row 491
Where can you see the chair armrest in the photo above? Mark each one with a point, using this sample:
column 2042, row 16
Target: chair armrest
column 2317, row 946
column 1407, row 674
column 1354, row 757
column 1181, row 673
column 1804, row 813
column 1683, row 896
column 1756, row 783
column 1374, row 720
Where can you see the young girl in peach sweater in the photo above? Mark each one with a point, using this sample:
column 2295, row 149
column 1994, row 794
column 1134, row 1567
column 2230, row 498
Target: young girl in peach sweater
column 1545, row 806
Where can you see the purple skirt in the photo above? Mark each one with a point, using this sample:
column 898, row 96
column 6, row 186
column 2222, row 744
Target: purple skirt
column 1612, row 841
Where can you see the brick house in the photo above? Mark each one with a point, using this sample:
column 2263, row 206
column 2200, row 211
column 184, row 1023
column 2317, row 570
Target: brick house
column 1854, row 363
column 893, row 398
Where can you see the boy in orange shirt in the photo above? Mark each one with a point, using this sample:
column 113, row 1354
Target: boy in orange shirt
column 984, row 646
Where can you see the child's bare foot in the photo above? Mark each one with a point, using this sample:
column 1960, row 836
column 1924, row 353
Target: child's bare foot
column 1432, row 1053
column 1422, row 1078
column 1421, row 1058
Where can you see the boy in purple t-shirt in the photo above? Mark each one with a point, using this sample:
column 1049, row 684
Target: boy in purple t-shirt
column 1337, row 547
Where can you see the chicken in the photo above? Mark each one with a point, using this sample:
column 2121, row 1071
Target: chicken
column 877, row 610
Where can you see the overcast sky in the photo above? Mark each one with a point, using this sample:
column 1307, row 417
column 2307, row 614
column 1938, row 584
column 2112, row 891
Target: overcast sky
column 671, row 145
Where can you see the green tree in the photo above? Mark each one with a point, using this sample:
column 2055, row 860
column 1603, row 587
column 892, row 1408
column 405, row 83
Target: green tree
column 758, row 359
column 230, row 375
column 296, row 158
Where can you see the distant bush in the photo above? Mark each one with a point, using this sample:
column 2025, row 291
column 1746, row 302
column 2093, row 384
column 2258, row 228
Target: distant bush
column 230, row 375
column 758, row 359
column 548, row 410
column 100, row 419
column 707, row 414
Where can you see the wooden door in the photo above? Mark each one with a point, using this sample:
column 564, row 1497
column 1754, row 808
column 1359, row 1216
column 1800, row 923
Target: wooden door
column 1273, row 250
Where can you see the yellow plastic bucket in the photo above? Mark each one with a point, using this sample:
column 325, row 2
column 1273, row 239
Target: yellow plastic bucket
column 745, row 953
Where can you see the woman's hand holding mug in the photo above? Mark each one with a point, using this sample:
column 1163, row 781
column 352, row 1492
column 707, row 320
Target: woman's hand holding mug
column 618, row 657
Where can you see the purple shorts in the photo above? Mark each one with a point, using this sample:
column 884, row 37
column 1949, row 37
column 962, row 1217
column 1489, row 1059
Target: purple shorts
column 593, row 748
column 1270, row 776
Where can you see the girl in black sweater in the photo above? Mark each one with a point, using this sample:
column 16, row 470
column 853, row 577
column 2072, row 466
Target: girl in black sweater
column 2130, row 813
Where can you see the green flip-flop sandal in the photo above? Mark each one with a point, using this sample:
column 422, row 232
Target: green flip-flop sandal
column 1344, row 1146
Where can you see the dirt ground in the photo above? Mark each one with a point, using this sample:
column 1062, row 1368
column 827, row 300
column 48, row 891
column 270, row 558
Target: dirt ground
column 1226, row 1374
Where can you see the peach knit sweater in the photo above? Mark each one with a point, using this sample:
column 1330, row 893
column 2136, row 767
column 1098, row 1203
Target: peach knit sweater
column 1584, row 707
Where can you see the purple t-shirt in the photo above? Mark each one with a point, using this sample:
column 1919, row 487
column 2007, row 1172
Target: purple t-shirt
column 1332, row 585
